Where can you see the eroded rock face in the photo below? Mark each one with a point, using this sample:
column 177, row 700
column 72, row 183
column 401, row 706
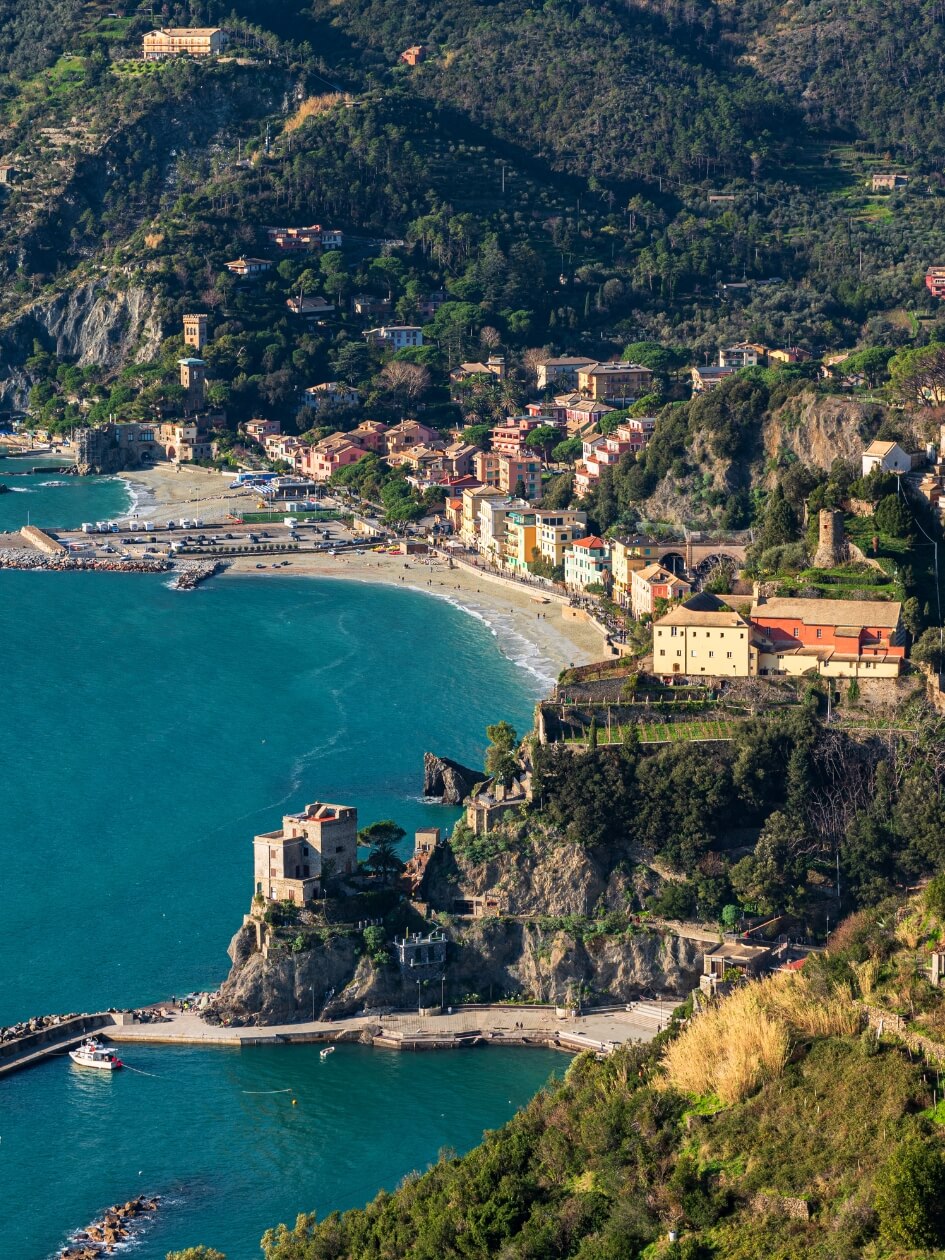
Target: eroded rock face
column 278, row 989
column 89, row 324
column 447, row 779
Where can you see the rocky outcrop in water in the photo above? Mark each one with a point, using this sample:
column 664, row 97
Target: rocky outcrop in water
column 117, row 1226
column 447, row 779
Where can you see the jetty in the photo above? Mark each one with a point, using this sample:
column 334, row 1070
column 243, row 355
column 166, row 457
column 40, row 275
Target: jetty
column 63, row 562
column 190, row 573
column 117, row 1225
column 599, row 1031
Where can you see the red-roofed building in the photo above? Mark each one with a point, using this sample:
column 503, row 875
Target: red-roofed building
column 587, row 563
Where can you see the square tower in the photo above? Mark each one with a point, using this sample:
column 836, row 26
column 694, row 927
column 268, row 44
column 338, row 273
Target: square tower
column 195, row 331
column 193, row 378
column 289, row 863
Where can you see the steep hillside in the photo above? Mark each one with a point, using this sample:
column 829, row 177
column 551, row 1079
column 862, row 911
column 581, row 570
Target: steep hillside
column 770, row 1126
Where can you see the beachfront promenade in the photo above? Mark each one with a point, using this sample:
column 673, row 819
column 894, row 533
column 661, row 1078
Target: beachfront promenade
column 598, row 1031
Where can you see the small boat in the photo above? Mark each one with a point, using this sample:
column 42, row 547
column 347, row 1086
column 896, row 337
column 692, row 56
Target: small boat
column 92, row 1054
column 323, row 1054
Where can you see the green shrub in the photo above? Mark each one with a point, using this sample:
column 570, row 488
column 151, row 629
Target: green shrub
column 910, row 1194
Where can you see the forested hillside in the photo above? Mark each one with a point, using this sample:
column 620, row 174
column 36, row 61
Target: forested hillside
column 776, row 1124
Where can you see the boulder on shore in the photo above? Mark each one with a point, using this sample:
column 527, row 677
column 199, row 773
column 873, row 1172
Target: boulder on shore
column 447, row 779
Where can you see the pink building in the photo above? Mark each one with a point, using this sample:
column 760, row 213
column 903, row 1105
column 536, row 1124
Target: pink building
column 331, row 453
column 370, row 435
column 259, row 430
column 486, row 468
column 409, row 433
column 524, row 468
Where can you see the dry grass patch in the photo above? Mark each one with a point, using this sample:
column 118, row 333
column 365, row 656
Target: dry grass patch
column 312, row 106
column 746, row 1039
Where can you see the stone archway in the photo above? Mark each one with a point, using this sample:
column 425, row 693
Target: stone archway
column 675, row 562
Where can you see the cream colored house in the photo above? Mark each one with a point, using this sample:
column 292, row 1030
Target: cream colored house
column 704, row 638
column 626, row 557
column 472, row 500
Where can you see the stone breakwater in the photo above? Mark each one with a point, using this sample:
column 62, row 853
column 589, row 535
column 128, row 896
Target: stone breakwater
column 26, row 558
column 190, row 573
column 117, row 1225
column 39, row 1023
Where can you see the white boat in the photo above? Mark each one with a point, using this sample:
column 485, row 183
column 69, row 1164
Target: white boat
column 92, row 1054
column 323, row 1054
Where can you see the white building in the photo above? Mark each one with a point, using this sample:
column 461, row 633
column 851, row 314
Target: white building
column 396, row 336
column 587, row 563
column 330, row 394
column 889, row 457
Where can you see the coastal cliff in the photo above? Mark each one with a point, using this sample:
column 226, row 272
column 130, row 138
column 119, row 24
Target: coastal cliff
column 487, row 959
column 91, row 323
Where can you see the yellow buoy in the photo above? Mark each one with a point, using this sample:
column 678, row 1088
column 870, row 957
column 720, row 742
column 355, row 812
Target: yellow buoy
column 293, row 1102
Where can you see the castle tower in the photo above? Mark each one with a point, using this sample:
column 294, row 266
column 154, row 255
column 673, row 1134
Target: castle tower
column 195, row 331
column 830, row 546
column 193, row 378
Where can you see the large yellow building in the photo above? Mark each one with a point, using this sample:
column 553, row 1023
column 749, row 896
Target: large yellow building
column 194, row 41
column 520, row 544
column 704, row 636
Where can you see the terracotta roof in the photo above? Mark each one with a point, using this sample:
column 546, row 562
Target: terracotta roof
column 703, row 610
column 593, row 543
column 656, row 572
column 831, row 612
column 879, row 448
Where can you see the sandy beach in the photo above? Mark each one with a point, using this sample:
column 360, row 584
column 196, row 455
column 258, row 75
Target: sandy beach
column 534, row 635
column 168, row 490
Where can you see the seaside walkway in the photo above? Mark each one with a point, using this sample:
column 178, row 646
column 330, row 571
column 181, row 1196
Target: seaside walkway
column 599, row 1031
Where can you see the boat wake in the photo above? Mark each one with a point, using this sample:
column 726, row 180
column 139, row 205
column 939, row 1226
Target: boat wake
column 54, row 483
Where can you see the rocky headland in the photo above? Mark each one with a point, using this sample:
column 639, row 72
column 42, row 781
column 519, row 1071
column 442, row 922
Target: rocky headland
column 447, row 780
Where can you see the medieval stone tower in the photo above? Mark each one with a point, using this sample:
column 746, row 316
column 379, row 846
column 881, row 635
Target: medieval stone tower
column 195, row 331
column 193, row 378
column 831, row 548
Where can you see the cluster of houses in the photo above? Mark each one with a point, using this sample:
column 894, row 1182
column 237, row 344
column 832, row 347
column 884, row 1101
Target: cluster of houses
column 742, row 354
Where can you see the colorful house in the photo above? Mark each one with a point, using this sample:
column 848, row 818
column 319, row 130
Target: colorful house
column 703, row 637
column 587, row 564
column 653, row 583
column 835, row 637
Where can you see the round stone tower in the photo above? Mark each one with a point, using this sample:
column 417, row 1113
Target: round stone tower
column 830, row 547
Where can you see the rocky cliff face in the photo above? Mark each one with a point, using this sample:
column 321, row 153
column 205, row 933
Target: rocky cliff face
column 88, row 324
column 819, row 430
column 448, row 780
column 542, row 876
column 490, row 958
column 278, row 989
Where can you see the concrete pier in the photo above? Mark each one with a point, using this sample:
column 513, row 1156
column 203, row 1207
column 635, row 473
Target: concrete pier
column 599, row 1031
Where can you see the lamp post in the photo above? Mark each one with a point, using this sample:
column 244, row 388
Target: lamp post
column 418, row 997
column 313, row 1002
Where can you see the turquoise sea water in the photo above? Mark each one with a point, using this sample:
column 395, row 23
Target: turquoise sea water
column 146, row 734
column 50, row 499
column 231, row 1163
